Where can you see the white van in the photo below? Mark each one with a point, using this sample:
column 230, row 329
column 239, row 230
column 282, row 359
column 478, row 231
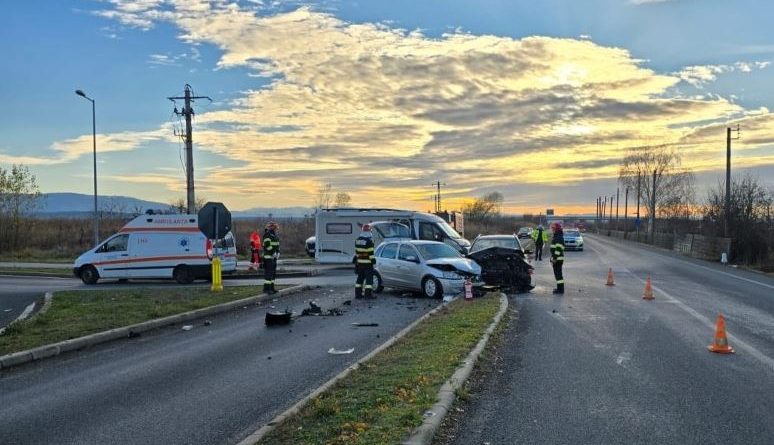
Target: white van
column 337, row 229
column 157, row 246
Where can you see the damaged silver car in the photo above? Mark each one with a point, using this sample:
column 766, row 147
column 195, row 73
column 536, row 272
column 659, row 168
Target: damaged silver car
column 430, row 267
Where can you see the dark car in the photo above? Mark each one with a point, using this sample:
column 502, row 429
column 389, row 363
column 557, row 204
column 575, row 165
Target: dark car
column 502, row 262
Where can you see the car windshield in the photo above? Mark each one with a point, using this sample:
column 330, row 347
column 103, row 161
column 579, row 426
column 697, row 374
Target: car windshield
column 486, row 243
column 524, row 230
column 433, row 251
column 450, row 232
column 571, row 233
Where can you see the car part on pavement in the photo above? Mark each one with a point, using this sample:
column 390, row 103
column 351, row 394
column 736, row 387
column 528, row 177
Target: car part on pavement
column 504, row 267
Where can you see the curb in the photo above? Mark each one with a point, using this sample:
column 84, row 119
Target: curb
column 41, row 352
column 423, row 434
column 24, row 315
column 276, row 421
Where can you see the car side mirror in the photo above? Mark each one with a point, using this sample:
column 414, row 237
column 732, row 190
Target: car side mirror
column 412, row 258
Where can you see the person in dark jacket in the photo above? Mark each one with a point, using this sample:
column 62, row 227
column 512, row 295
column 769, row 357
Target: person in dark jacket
column 364, row 263
column 557, row 256
column 271, row 249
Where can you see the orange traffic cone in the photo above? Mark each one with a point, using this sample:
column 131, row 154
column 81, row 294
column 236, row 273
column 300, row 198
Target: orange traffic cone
column 648, row 294
column 610, row 281
column 720, row 345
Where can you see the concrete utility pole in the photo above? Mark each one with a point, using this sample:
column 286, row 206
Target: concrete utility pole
column 638, row 221
column 617, row 200
column 653, row 209
column 727, row 222
column 626, row 207
column 188, row 113
column 611, row 208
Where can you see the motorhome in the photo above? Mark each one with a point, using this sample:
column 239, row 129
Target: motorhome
column 337, row 229
column 157, row 246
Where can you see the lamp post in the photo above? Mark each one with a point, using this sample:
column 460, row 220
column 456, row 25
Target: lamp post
column 94, row 143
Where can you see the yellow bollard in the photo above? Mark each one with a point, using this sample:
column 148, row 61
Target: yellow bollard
column 217, row 277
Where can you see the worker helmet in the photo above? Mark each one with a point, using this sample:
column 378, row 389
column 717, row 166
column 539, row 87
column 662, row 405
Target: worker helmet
column 271, row 225
column 366, row 227
column 540, row 227
column 556, row 226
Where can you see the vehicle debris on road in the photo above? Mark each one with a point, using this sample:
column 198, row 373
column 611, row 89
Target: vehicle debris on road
column 335, row 351
column 187, row 327
column 362, row 325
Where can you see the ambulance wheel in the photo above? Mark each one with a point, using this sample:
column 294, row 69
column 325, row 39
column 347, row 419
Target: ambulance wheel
column 378, row 284
column 89, row 275
column 183, row 274
column 431, row 288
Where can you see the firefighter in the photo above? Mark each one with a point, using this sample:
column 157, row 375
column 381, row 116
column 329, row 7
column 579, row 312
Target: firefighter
column 540, row 237
column 557, row 256
column 364, row 263
column 270, row 255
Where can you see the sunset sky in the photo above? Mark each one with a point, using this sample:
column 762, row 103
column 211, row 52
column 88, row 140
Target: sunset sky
column 539, row 100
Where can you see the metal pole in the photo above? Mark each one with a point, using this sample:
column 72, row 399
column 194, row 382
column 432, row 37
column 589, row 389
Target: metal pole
column 638, row 221
column 189, row 170
column 94, row 146
column 727, row 223
column 653, row 209
column 617, row 200
column 626, row 208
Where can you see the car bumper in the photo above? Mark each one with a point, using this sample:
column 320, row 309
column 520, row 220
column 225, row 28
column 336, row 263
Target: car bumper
column 452, row 286
column 77, row 272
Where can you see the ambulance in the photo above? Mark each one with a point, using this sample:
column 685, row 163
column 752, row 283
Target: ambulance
column 157, row 246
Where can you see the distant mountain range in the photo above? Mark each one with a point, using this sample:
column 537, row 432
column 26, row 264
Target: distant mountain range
column 81, row 205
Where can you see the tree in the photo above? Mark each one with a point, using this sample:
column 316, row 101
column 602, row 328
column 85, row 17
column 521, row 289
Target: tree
column 750, row 205
column 180, row 205
column 485, row 207
column 342, row 199
column 19, row 196
column 673, row 193
column 323, row 200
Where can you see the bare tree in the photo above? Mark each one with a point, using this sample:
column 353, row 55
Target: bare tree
column 19, row 196
column 324, row 193
column 342, row 199
column 485, row 207
column 180, row 205
column 659, row 164
column 750, row 205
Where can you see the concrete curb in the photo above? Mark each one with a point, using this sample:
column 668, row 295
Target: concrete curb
column 423, row 434
column 275, row 422
column 23, row 316
column 21, row 357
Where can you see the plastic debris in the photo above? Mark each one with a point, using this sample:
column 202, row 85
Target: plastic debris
column 187, row 327
column 278, row 318
column 348, row 303
column 335, row 351
column 207, row 322
column 365, row 324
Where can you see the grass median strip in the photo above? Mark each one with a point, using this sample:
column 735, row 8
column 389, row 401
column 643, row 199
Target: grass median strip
column 39, row 272
column 77, row 313
column 384, row 400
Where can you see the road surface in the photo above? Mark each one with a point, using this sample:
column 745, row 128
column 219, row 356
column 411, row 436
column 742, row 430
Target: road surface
column 16, row 293
column 601, row 365
column 210, row 385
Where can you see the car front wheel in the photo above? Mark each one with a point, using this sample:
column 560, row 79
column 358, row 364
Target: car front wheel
column 89, row 275
column 378, row 284
column 431, row 288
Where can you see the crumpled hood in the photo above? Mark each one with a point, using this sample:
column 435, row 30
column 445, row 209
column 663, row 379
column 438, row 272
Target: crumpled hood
column 462, row 264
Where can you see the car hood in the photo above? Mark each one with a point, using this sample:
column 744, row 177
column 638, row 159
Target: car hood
column 461, row 264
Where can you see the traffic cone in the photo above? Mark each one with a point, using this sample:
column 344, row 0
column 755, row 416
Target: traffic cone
column 610, row 281
column 648, row 294
column 720, row 345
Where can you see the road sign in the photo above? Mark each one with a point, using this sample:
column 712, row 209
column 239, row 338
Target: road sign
column 214, row 220
column 549, row 212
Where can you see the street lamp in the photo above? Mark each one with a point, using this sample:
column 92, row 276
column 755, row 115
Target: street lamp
column 94, row 140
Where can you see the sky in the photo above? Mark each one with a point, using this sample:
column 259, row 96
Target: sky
column 537, row 100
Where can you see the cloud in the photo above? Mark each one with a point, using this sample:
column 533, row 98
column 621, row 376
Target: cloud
column 382, row 112
column 700, row 75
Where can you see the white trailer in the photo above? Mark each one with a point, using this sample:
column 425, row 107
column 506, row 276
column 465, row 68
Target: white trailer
column 337, row 229
column 157, row 246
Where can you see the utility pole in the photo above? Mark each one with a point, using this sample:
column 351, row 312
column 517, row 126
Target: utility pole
column 617, row 200
column 727, row 222
column 653, row 210
column 626, row 208
column 611, row 209
column 437, row 186
column 188, row 113
column 638, row 221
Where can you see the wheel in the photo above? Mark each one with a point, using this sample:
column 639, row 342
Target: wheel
column 183, row 274
column 581, row 249
column 378, row 285
column 89, row 275
column 431, row 288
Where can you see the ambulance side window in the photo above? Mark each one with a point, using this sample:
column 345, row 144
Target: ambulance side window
column 116, row 244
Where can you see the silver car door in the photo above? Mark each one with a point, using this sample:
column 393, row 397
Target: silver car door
column 408, row 271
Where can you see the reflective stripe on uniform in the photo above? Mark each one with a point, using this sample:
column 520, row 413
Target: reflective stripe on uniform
column 559, row 281
column 363, row 261
column 559, row 258
column 268, row 257
column 268, row 281
column 357, row 285
column 364, row 249
column 368, row 286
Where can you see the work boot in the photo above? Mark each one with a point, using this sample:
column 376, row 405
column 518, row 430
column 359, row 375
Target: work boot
column 559, row 289
column 358, row 293
column 266, row 288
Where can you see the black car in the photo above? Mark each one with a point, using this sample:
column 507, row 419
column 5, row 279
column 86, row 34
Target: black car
column 502, row 262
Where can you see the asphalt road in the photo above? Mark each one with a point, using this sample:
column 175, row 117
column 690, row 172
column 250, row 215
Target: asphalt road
column 210, row 385
column 601, row 365
column 16, row 293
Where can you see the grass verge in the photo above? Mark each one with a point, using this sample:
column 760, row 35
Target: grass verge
column 384, row 400
column 47, row 272
column 77, row 313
